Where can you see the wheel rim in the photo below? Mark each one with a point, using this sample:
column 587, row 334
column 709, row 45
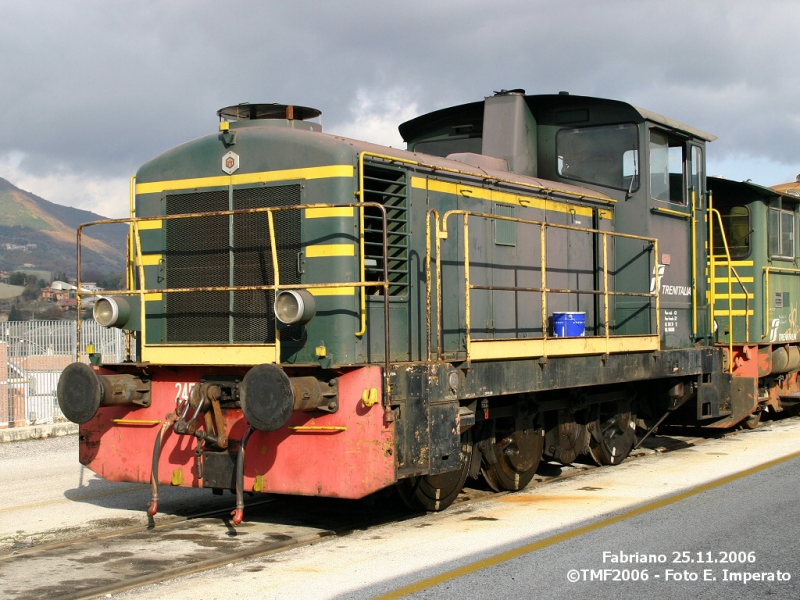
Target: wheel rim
column 612, row 434
column 517, row 455
column 437, row 492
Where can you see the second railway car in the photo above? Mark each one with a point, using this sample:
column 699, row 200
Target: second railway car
column 531, row 277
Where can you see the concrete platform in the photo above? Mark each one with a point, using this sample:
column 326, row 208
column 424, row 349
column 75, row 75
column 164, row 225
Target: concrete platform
column 37, row 432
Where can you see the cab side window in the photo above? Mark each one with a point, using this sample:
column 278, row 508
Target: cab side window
column 666, row 167
column 781, row 233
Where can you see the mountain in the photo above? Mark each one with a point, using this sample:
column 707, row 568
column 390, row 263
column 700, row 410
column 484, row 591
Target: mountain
column 43, row 234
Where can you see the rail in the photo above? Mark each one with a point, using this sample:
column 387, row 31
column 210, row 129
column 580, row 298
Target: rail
column 136, row 264
column 441, row 233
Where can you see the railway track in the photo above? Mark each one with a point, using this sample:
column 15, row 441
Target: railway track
column 111, row 562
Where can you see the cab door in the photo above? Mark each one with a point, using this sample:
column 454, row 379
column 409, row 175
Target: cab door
column 672, row 221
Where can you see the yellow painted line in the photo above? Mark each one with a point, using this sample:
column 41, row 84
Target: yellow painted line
column 604, row 214
column 151, row 259
column 150, row 224
column 333, row 291
column 719, row 297
column 322, row 213
column 469, row 191
column 153, row 297
column 325, row 250
column 247, row 178
column 577, row 532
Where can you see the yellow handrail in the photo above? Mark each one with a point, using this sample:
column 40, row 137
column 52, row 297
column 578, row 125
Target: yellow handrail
column 442, row 233
column 731, row 272
column 137, row 264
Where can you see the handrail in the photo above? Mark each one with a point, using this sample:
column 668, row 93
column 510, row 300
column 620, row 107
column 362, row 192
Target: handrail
column 428, row 293
column 142, row 291
column 442, row 233
column 713, row 275
column 693, row 255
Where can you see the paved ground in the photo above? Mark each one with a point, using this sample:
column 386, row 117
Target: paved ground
column 382, row 560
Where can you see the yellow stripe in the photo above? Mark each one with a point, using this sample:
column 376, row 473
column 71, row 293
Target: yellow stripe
column 150, row 224
column 337, row 291
column 215, row 354
column 151, row 259
column 572, row 346
column 324, row 250
column 495, row 196
column 321, row 213
column 154, row 297
column 577, row 532
column 604, row 214
column 247, row 178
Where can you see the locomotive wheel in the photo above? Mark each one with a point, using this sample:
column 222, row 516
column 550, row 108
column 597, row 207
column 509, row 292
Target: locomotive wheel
column 437, row 492
column 612, row 434
column 517, row 451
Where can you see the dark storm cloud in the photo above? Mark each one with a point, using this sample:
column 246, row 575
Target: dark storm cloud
column 97, row 88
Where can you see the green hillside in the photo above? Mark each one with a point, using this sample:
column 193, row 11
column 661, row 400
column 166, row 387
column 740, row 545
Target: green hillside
column 43, row 234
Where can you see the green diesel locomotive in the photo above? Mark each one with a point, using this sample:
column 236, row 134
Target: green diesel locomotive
column 531, row 277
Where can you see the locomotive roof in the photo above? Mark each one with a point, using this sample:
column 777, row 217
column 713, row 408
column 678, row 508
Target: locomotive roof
column 788, row 191
column 545, row 108
column 481, row 172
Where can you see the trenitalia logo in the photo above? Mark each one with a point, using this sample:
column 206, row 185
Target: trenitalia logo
column 773, row 332
column 655, row 280
column 667, row 290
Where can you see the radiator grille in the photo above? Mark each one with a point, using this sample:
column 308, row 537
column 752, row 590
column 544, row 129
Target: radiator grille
column 199, row 253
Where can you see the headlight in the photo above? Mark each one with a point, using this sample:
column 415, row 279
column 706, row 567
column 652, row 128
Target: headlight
column 295, row 307
column 116, row 311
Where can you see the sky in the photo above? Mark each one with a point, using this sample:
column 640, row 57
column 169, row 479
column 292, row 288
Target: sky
column 91, row 90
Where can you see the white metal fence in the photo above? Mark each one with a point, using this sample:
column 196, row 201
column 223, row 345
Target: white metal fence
column 32, row 356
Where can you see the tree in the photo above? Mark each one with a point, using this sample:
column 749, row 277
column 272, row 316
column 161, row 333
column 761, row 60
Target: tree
column 17, row 278
column 113, row 281
column 52, row 313
column 31, row 292
column 14, row 314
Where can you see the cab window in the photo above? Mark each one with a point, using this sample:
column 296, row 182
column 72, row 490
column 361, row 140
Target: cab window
column 781, row 233
column 666, row 167
column 606, row 155
column 736, row 224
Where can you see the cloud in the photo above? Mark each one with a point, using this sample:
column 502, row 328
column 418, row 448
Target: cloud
column 106, row 196
column 92, row 90
column 375, row 115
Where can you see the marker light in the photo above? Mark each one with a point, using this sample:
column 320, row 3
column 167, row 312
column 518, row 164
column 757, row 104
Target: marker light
column 295, row 307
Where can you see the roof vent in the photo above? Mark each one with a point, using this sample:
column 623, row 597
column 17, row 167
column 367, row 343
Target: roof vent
column 252, row 112
column 519, row 91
